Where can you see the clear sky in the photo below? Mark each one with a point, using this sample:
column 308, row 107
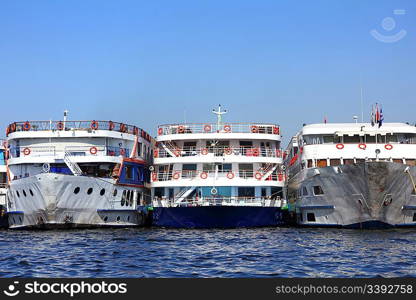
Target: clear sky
column 156, row 62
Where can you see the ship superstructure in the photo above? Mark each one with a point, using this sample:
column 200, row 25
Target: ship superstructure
column 77, row 173
column 353, row 175
column 218, row 175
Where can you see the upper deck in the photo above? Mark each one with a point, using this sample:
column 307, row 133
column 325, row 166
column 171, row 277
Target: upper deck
column 222, row 131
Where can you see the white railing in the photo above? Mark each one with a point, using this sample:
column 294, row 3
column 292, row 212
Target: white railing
column 258, row 128
column 219, row 151
column 220, row 201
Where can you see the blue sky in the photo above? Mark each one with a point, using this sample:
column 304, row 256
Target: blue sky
column 156, row 62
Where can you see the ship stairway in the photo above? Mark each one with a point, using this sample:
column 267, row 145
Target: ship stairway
column 268, row 170
column 184, row 193
column 73, row 166
column 169, row 147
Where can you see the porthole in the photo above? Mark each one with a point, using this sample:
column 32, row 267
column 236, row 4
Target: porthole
column 31, row 192
column 102, row 192
column 76, row 190
column 17, row 193
column 310, row 217
column 89, row 192
column 24, row 193
column 115, row 192
column 128, row 218
column 105, row 219
column 118, row 218
column 20, row 219
column 122, row 202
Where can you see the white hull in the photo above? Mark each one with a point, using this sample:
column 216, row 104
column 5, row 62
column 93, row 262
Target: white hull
column 50, row 201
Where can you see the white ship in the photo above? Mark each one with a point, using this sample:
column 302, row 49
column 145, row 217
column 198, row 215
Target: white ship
column 218, row 175
column 353, row 175
column 3, row 185
column 77, row 174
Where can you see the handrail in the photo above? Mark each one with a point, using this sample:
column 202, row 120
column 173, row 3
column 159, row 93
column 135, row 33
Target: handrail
column 218, row 201
column 197, row 174
column 220, row 151
column 259, row 128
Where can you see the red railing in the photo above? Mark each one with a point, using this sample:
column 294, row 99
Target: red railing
column 219, row 151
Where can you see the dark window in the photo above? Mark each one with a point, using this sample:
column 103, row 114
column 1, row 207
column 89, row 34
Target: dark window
column 102, row 192
column 414, row 217
column 118, row 218
column 129, row 172
column 105, row 219
column 89, row 191
column 115, row 192
column 24, row 193
column 76, row 191
column 31, row 192
column 17, row 193
column 246, row 192
column 317, row 190
column 310, row 217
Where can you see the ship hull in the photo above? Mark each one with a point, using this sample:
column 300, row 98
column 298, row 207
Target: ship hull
column 365, row 195
column 49, row 201
column 218, row 216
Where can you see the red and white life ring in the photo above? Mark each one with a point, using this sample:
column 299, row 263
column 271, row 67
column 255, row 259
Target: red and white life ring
column 227, row 128
column 230, row 175
column 388, row 146
column 207, row 128
column 181, row 129
column 160, row 131
column 204, row 151
column 60, row 125
column 254, row 129
column 228, row 151
column 26, row 151
column 258, row 175
column 204, row 175
column 255, row 151
column 176, row 175
column 340, row 146
column 154, row 177
column 362, row 146
column 26, row 126
column 156, row 153
column 276, row 130
column 93, row 150
column 94, row 125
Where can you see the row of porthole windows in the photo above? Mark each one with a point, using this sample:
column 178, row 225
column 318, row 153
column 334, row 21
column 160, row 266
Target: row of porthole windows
column 127, row 198
column 89, row 191
column 24, row 193
column 118, row 219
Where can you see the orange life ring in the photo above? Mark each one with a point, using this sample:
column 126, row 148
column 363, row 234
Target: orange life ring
column 204, row 175
column 254, row 129
column 230, row 175
column 176, row 175
column 228, row 151
column 258, row 176
column 204, row 151
column 13, row 127
column 207, row 128
column 255, row 151
column 26, row 151
column 123, row 127
column 160, row 131
column 388, row 146
column 227, row 128
column 154, row 177
column 181, row 129
column 362, row 146
column 93, row 150
column 111, row 125
column 26, row 126
column 177, row 152
column 94, row 125
column 155, row 153
column 280, row 177
column 122, row 151
column 60, row 125
column 276, row 130
column 340, row 146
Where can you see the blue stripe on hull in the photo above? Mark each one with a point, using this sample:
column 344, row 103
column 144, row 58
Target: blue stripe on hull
column 217, row 217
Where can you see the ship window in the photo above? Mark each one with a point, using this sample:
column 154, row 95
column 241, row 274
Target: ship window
column 391, row 138
column 31, row 192
column 321, row 163
column 398, row 160
column 208, row 167
column 129, row 172
column 410, row 162
column 118, row 218
column 355, row 139
column 17, row 193
column 102, row 192
column 24, row 193
column 128, row 218
column 115, row 192
column 310, row 163
column 76, row 191
column 310, row 217
column 381, row 139
column 89, row 191
column 224, row 168
column 328, row 139
column 370, row 139
column 305, row 191
column 105, row 219
column 334, row 162
column 317, row 190
column 348, row 161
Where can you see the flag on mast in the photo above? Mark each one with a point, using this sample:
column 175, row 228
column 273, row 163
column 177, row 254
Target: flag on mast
column 372, row 115
column 380, row 121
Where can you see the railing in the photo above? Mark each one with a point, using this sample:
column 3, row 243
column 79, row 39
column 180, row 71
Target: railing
column 76, row 125
column 39, row 151
column 192, row 175
column 216, row 201
column 219, row 151
column 214, row 128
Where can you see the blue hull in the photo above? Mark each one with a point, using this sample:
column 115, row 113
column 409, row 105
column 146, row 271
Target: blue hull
column 218, row 217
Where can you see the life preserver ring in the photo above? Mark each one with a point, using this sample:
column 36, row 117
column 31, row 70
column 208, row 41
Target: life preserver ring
column 154, row 177
column 13, row 127
column 60, row 125
column 93, row 150
column 388, row 146
column 122, row 151
column 227, row 128
column 278, row 153
column 177, row 152
column 155, row 153
column 255, row 151
column 228, row 151
column 204, row 175
column 280, row 177
column 207, row 128
column 111, row 125
column 136, row 130
column 181, row 129
column 176, row 175
column 26, row 151
column 26, row 126
column 230, row 175
column 362, row 146
column 94, row 125
column 123, row 127
column 160, row 131
column 258, row 175
column 204, row 151
column 7, row 130
column 276, row 130
column 254, row 129
column 340, row 146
